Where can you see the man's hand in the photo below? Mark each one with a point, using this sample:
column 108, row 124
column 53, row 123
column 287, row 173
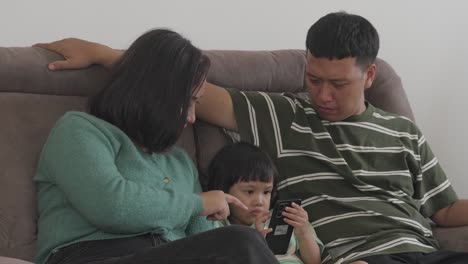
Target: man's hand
column 260, row 223
column 216, row 204
column 80, row 53
column 453, row 215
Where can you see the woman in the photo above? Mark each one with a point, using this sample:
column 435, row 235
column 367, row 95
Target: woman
column 113, row 188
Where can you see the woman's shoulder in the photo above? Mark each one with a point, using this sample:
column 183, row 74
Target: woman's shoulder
column 84, row 121
column 76, row 132
column 180, row 154
column 78, row 126
column 72, row 118
column 179, row 151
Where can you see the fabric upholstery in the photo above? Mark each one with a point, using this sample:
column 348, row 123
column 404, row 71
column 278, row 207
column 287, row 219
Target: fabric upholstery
column 5, row 260
column 32, row 98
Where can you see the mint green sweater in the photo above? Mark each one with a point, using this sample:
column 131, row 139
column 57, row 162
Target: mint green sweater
column 93, row 184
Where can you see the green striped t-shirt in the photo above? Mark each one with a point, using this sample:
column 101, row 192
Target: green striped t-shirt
column 368, row 182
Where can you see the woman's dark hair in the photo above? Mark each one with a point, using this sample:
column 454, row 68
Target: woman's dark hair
column 341, row 35
column 151, row 88
column 241, row 162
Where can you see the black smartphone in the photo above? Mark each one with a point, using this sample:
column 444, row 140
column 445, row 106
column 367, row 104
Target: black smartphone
column 278, row 239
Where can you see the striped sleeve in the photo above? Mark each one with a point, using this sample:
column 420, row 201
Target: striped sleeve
column 432, row 187
column 257, row 118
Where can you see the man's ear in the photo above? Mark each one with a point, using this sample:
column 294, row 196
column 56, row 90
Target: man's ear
column 370, row 75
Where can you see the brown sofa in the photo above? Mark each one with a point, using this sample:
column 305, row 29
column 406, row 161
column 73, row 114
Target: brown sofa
column 33, row 98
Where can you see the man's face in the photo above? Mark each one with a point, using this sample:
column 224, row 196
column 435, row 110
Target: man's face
column 337, row 87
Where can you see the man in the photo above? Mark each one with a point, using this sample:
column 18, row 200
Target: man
column 367, row 178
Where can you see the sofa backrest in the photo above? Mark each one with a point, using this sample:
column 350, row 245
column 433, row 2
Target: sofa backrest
column 32, row 98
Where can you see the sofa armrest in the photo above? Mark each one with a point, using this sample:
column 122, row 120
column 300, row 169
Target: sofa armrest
column 5, row 260
column 453, row 238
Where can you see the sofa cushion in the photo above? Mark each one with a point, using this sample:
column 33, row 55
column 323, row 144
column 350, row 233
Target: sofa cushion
column 26, row 121
column 32, row 98
column 209, row 140
column 5, row 260
column 270, row 71
column 25, row 70
column 452, row 238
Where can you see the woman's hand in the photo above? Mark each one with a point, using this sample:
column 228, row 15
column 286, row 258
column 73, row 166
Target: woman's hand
column 216, row 204
column 299, row 219
column 80, row 53
column 260, row 223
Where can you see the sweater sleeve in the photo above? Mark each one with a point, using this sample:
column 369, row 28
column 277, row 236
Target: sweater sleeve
column 79, row 158
column 197, row 223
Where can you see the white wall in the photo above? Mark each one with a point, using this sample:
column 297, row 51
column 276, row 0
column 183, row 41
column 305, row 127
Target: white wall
column 426, row 42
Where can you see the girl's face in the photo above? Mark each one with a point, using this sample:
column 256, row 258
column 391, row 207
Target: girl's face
column 256, row 195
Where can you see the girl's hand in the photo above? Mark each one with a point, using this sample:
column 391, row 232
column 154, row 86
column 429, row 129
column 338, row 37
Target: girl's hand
column 299, row 219
column 260, row 223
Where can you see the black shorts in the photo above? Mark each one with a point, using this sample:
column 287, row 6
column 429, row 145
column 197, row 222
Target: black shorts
column 437, row 257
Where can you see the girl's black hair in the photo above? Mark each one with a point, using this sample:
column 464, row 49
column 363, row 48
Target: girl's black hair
column 151, row 89
column 241, row 162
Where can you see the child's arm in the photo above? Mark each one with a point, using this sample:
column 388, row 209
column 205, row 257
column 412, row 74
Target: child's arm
column 298, row 218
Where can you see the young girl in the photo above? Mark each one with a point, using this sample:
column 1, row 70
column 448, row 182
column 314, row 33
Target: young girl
column 247, row 173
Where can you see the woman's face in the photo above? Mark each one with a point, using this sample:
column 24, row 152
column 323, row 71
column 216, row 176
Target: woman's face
column 191, row 116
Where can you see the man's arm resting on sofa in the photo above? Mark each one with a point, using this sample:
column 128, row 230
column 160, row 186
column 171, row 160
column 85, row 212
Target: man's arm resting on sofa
column 214, row 107
column 453, row 215
column 80, row 53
